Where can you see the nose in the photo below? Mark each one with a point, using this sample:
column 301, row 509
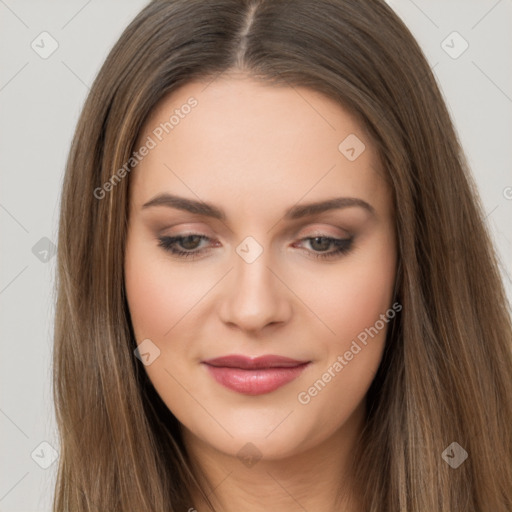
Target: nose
column 254, row 297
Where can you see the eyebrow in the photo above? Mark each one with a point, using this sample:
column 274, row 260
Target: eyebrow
column 295, row 212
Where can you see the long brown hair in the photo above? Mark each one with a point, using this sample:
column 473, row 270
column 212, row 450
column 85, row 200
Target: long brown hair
column 446, row 372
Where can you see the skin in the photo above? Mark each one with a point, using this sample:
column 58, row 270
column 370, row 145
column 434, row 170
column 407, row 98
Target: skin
column 255, row 150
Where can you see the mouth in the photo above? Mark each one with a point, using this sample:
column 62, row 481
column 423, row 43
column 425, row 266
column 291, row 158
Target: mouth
column 254, row 376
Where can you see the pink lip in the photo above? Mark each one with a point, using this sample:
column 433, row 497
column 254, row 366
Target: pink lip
column 254, row 376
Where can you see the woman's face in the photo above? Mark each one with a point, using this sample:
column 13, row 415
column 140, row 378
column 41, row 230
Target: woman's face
column 282, row 227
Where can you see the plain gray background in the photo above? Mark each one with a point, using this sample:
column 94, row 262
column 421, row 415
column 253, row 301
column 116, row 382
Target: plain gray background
column 40, row 100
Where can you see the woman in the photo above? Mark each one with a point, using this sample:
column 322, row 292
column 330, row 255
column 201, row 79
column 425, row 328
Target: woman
column 275, row 286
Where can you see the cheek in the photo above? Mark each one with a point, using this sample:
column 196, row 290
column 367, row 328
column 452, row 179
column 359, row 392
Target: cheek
column 148, row 298
column 350, row 296
column 355, row 303
column 159, row 292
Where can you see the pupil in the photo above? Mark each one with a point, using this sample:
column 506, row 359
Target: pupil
column 190, row 239
column 321, row 246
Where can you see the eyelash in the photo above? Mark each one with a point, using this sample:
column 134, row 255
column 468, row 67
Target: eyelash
column 168, row 243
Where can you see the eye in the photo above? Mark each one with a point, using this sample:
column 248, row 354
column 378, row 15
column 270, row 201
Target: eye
column 189, row 246
column 321, row 244
column 183, row 246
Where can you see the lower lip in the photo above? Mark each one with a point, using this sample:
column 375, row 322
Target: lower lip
column 255, row 382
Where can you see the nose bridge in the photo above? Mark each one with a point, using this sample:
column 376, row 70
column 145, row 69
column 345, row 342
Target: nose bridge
column 255, row 297
column 254, row 277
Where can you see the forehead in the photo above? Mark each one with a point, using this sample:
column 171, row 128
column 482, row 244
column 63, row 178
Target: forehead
column 255, row 143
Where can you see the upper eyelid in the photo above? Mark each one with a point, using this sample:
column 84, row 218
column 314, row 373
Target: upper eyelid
column 318, row 234
column 296, row 229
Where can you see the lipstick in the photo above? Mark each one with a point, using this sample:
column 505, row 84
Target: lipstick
column 254, row 376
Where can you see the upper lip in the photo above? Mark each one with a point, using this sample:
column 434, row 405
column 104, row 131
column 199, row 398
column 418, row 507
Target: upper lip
column 252, row 363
